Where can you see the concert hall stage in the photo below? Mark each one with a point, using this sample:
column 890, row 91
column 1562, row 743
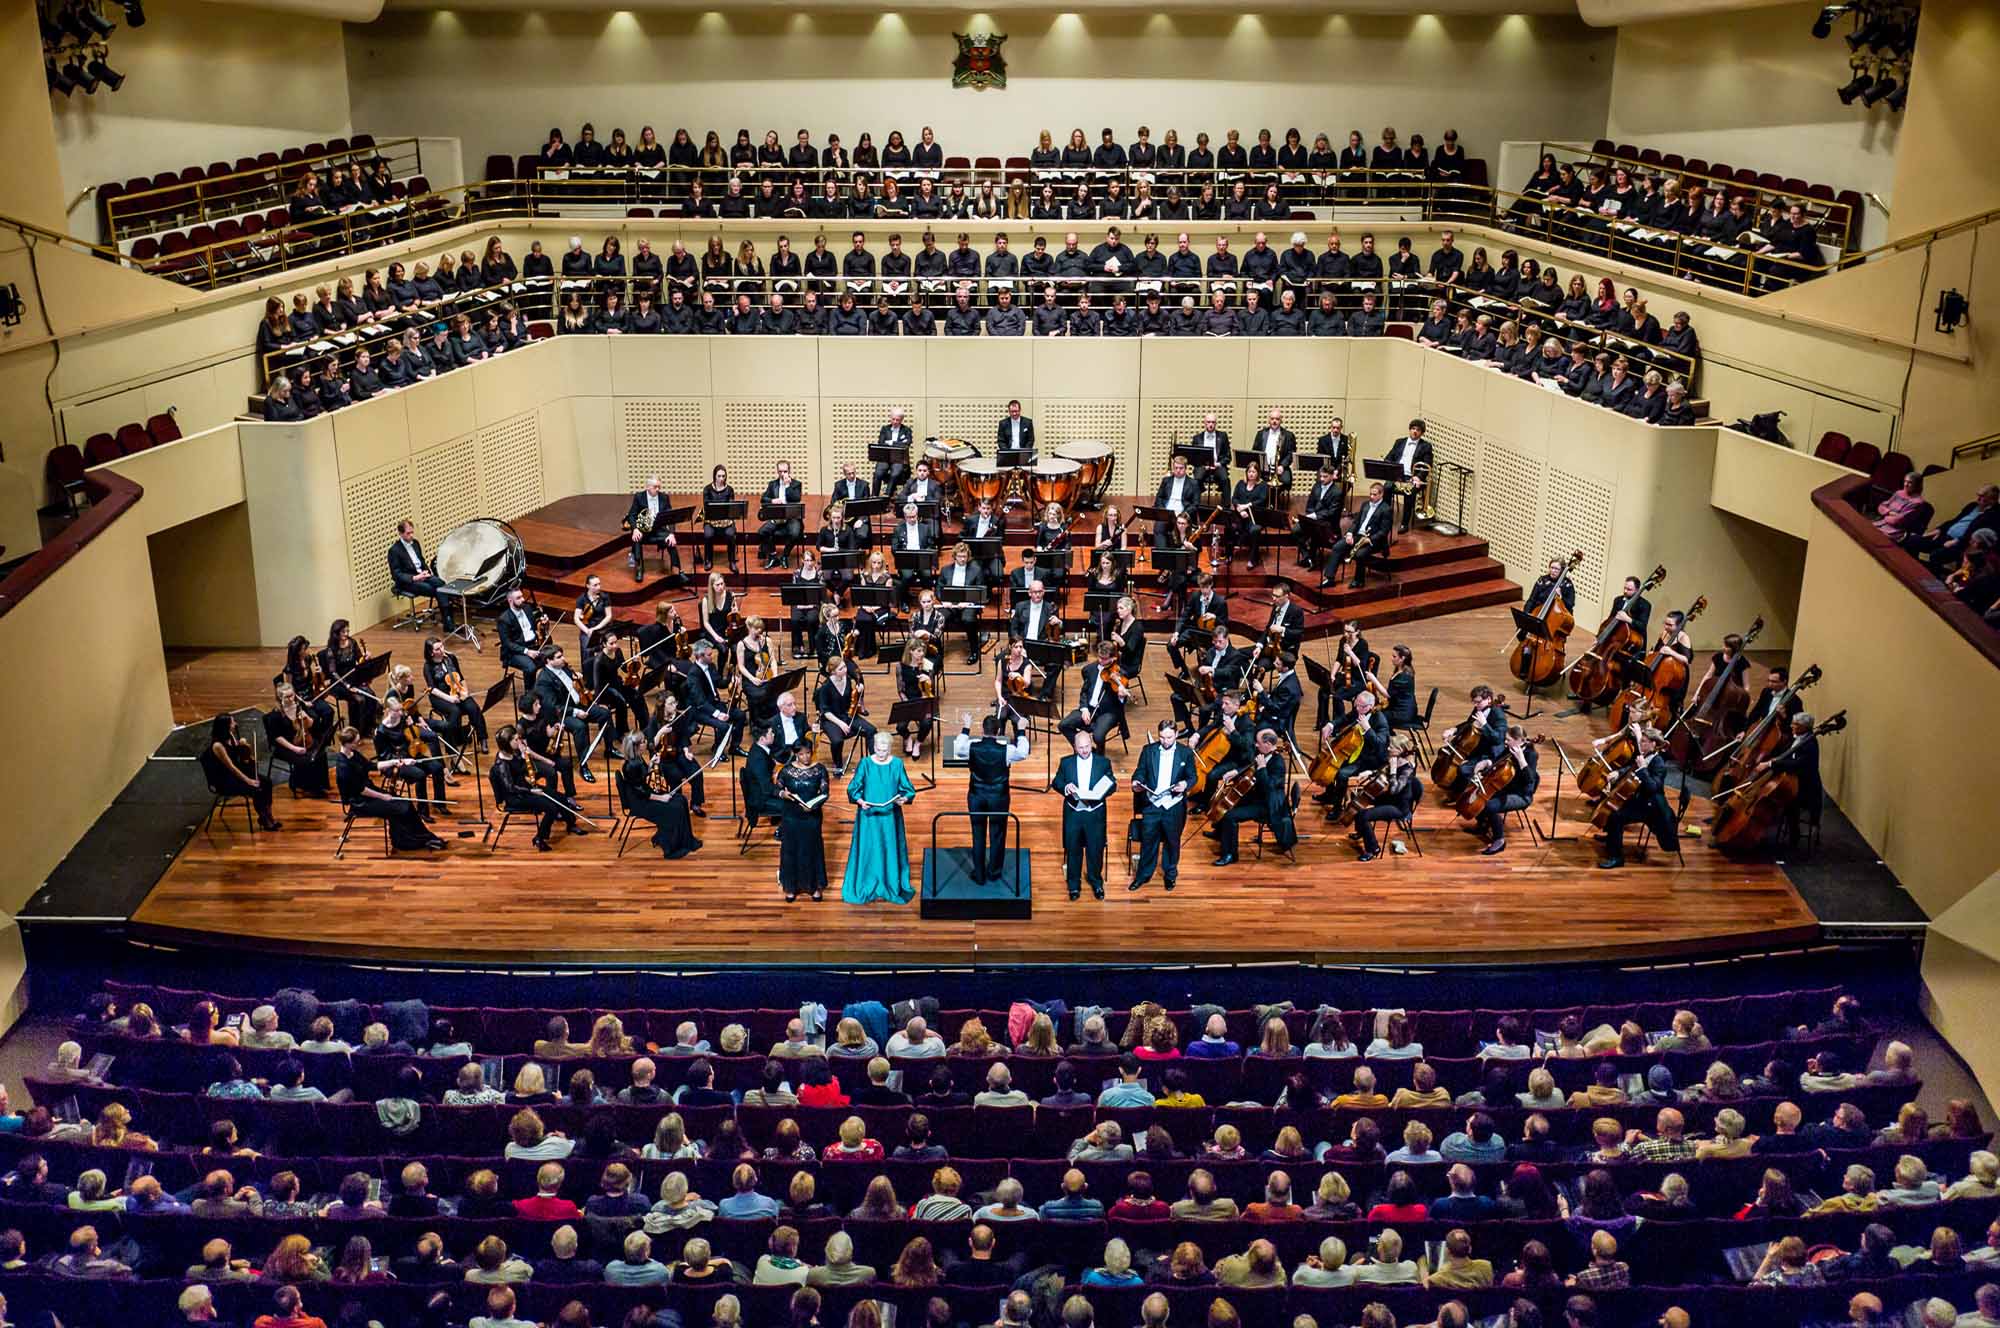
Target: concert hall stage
column 583, row 903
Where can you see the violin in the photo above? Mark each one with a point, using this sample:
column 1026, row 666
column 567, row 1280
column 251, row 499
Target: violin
column 454, row 685
column 1666, row 676
column 656, row 780
column 1488, row 785
column 1748, row 810
column 632, row 669
column 1765, row 736
column 1356, row 668
column 1592, row 677
column 1539, row 661
column 1716, row 717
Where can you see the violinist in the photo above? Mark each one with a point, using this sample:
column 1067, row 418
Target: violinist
column 1363, row 535
column 1250, row 496
column 1128, row 635
column 1286, row 627
column 1374, row 753
column 1397, row 800
column 963, row 572
column 1205, row 611
column 397, row 739
column 789, row 728
column 605, row 677
column 1267, row 801
column 452, row 703
column 288, row 727
column 709, row 703
column 518, row 785
column 520, row 639
column 1016, row 675
column 1035, row 617
column 302, row 672
column 1321, row 514
column 1647, row 806
column 805, row 619
column 838, row 699
column 1402, row 688
column 1776, row 680
column 230, row 766
column 354, row 776
column 1101, row 697
column 916, row 680
column 753, row 666
column 592, row 617
column 927, row 625
column 1283, row 695
column 651, row 793
column 1519, row 794
column 559, row 698
column 661, row 640
column 871, row 621
column 337, row 662
column 1223, row 724
column 1555, row 579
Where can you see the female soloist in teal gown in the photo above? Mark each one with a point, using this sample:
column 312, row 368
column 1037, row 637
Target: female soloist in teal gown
column 878, row 858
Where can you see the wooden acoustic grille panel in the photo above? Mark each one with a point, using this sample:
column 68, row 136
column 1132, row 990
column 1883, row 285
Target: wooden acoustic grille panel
column 973, row 420
column 1172, row 422
column 1450, row 441
column 667, row 437
column 510, row 466
column 1579, row 517
column 1305, row 417
column 757, row 435
column 447, row 480
column 1510, row 507
column 852, row 424
column 371, row 504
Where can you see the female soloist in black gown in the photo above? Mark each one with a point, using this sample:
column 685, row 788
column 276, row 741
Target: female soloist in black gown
column 802, row 791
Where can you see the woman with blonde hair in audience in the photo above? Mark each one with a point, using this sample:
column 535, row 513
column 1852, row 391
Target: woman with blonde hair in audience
column 1288, row 1147
column 1730, row 1139
column 1542, row 1094
column 1417, row 1141
column 1041, row 1038
column 607, row 1037
column 854, row 1145
column 113, row 1130
column 1333, row 1201
column 1912, row 1126
column 1116, row 1270
column 942, row 1204
column 1981, row 1181
column 670, row 1140
column 851, row 1039
column 1327, row 1267
column 1226, row 1146
column 531, row 1086
column 1276, row 1042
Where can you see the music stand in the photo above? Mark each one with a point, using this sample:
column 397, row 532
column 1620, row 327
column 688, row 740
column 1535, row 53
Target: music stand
column 919, row 565
column 1041, row 716
column 1321, row 677
column 1159, row 516
column 1243, row 456
column 1101, row 601
column 1194, row 454
column 867, row 509
column 928, row 511
column 922, row 712
column 988, row 553
column 1123, row 559
column 1168, row 563
column 670, row 519
column 1310, row 463
column 1052, row 565
column 504, row 687
column 1014, row 458
column 719, row 514
column 962, row 597
column 890, row 454
column 1534, row 628
column 1052, row 657
column 839, row 562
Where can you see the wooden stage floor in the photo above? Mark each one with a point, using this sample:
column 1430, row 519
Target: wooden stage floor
column 284, row 890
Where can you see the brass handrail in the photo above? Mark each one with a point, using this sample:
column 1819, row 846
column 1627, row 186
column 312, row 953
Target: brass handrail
column 1976, row 450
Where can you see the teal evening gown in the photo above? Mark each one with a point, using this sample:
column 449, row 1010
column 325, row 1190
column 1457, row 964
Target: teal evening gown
column 878, row 859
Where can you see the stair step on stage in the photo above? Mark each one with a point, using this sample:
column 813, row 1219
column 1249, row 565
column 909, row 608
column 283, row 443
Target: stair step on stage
column 1429, row 575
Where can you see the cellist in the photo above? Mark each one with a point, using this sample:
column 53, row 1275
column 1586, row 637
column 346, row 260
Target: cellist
column 1800, row 759
column 1675, row 643
column 1519, row 794
column 1266, row 802
column 1374, row 752
column 1223, row 728
column 1647, row 806
column 1775, row 684
column 1490, row 718
column 1556, row 579
column 1398, row 800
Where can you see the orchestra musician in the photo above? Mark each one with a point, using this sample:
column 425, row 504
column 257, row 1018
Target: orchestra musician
column 1351, row 667
column 520, row 637
column 804, row 619
column 452, row 703
column 833, row 636
column 1013, row 665
column 718, row 606
column 1374, row 753
column 1267, row 802
column 870, row 621
column 1412, row 458
column 717, row 490
column 337, row 662
column 850, row 488
column 395, row 740
column 1174, row 581
column 1675, row 643
column 890, row 477
column 1283, row 695
column 411, row 575
column 1085, row 780
column 293, row 735
column 1776, row 679
column 1336, row 445
column 1178, row 492
column 1398, row 800
column 517, row 786
column 1016, row 432
column 646, row 519
column 1109, row 532
column 1519, row 795
column 592, row 617
column 1648, row 806
column 1204, row 611
column 708, row 701
column 1636, row 611
column 1489, row 716
column 1556, row 578
column 916, row 679
column 987, row 761
column 361, row 796
column 922, row 488
column 1324, row 503
column 962, row 572
column 1128, row 634
column 661, row 640
column 650, row 793
column 754, row 666
column 1220, row 668
column 1051, row 535
column 678, row 763
column 301, row 671
column 801, row 788
column 1106, row 578
column 560, row 700
column 1160, row 781
column 1225, row 717
column 983, row 523
column 1215, row 471
column 1402, row 688
column 1800, row 759
column 1100, row 701
column 604, row 676
column 230, row 765
column 1287, row 624
column 837, row 700
column 1249, row 497
column 1365, row 536
column 1035, row 617
column 783, row 490
column 1275, row 447
column 911, row 539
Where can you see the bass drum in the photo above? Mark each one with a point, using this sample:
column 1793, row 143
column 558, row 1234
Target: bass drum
column 979, row 480
column 1057, row 481
column 1096, row 460
column 486, row 553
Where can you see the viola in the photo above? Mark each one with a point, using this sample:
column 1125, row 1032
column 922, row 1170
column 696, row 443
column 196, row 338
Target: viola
column 1747, row 811
column 1536, row 660
column 1666, row 676
column 632, row 669
column 1765, row 736
column 1716, row 717
column 1594, row 676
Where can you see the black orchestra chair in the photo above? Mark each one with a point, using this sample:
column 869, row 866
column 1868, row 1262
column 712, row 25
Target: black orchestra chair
column 349, row 815
column 221, row 805
column 271, row 769
column 1680, row 817
column 628, row 798
column 1800, row 828
column 1290, row 854
column 746, row 828
column 1419, row 728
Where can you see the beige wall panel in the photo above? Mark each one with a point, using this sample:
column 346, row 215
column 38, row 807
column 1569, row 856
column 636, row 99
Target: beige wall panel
column 1194, row 367
column 103, row 414
column 979, row 367
column 203, row 582
column 196, row 400
column 298, row 534
column 525, row 379
column 1766, row 483
column 662, row 366
column 600, row 463
column 1511, row 407
column 746, row 366
column 585, row 365
column 446, row 483
column 371, row 504
column 438, row 409
column 1959, row 981
column 1113, row 421
column 663, row 436
column 1946, row 169
column 1382, row 367
column 1314, row 367
column 865, row 366
column 756, row 433
column 562, row 467
column 370, row 434
column 1085, row 368
column 191, row 478
column 31, row 187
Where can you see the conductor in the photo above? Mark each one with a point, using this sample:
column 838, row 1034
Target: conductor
column 987, row 761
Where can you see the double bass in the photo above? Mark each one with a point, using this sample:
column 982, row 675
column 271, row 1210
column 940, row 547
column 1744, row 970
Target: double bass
column 1488, row 786
column 1764, row 737
column 1716, row 717
column 1747, row 811
column 1538, row 661
column 1593, row 676
column 1666, row 675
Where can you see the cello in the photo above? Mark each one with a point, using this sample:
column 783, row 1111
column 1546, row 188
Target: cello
column 1592, row 676
column 1765, row 736
column 1456, row 750
column 1228, row 795
column 1538, row 661
column 1666, row 675
column 1332, row 755
column 1747, row 811
column 1717, row 714
column 1485, row 787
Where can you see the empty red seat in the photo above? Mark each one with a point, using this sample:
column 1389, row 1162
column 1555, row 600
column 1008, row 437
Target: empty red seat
column 1887, row 474
column 960, row 164
column 100, row 448
column 1833, row 446
column 638, row 212
column 499, row 166
column 1698, row 166
column 361, row 142
column 1649, row 156
column 290, row 155
column 334, row 145
column 162, row 428
column 133, row 438
column 986, row 165
column 1770, row 181
column 64, row 468
column 1603, row 147
column 145, row 249
column 277, row 217
column 1627, row 151
column 1863, row 456
column 314, row 149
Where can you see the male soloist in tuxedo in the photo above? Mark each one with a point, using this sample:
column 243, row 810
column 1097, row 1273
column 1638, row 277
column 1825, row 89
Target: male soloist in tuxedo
column 1412, row 458
column 1016, row 432
column 411, row 574
column 1085, row 780
column 1160, row 784
column 650, row 504
column 782, row 489
column 891, row 476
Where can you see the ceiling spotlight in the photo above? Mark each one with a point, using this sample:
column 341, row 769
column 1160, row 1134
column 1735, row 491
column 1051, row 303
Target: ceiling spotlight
column 98, row 25
column 1883, row 86
column 1823, row 25
column 1857, row 85
column 1952, row 309
column 1895, row 100
column 135, row 14
column 105, row 74
column 59, row 80
column 75, row 71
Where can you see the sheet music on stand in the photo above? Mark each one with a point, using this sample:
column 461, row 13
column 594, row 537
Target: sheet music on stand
column 872, row 597
column 1101, row 601
column 717, row 514
column 927, row 512
column 1011, row 458
column 984, row 551
column 866, row 509
column 889, row 454
column 781, row 512
column 842, row 561
column 1194, row 454
column 920, row 713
